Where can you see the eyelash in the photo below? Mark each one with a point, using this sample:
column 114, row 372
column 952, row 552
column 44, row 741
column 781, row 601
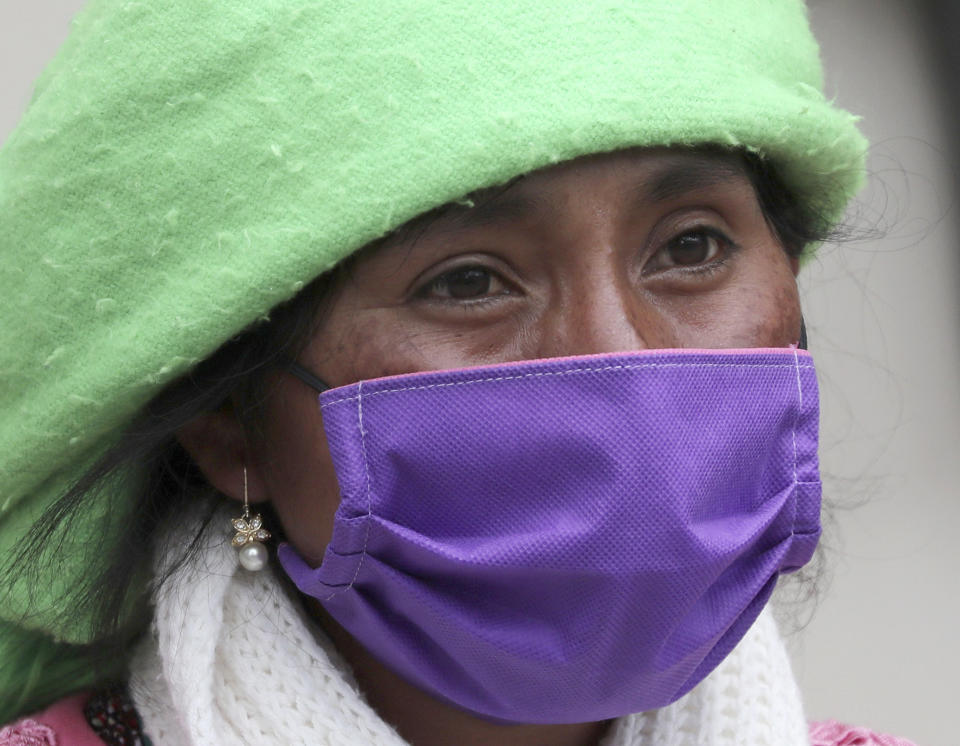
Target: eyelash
column 424, row 292
column 726, row 249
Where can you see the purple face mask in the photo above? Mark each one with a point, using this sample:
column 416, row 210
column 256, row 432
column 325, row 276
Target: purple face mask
column 571, row 539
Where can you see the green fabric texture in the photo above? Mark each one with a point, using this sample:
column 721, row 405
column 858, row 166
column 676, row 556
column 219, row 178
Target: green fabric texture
column 184, row 166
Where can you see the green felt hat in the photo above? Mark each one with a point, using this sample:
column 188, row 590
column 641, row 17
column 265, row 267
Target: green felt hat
column 184, row 166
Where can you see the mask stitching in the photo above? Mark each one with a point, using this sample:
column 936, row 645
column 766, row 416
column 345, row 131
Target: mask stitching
column 366, row 472
column 796, row 419
column 796, row 456
column 571, row 372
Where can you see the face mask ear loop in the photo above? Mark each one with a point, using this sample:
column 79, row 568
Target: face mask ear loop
column 802, row 344
column 306, row 376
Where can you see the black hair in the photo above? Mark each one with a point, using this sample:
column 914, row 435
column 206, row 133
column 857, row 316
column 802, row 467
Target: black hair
column 164, row 477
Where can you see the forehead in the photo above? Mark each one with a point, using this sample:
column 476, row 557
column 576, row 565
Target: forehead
column 662, row 172
column 638, row 175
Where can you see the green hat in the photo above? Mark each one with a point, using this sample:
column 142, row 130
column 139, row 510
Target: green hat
column 184, row 166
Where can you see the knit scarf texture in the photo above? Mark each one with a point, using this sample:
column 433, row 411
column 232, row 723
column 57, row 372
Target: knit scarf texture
column 232, row 658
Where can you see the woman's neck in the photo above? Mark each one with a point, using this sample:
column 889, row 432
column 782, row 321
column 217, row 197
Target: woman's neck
column 422, row 720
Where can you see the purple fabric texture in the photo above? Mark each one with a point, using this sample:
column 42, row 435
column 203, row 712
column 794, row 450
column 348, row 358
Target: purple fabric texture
column 569, row 539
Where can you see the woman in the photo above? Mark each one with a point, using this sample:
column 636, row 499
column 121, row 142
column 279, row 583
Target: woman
column 571, row 230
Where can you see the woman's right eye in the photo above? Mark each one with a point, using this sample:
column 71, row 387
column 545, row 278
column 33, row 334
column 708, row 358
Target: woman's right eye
column 472, row 282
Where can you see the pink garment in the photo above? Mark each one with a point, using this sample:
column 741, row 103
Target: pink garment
column 832, row 733
column 64, row 724
column 27, row 733
column 61, row 724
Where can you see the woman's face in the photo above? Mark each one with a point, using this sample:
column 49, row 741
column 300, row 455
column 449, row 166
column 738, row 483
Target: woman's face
column 623, row 251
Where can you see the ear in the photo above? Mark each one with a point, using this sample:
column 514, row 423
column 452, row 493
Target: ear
column 217, row 444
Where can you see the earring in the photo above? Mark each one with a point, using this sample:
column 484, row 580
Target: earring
column 250, row 534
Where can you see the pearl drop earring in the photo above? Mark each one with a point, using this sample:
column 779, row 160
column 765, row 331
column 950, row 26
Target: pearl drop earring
column 250, row 534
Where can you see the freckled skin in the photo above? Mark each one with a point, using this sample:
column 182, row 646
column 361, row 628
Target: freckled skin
column 583, row 273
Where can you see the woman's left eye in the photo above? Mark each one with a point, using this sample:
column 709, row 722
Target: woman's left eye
column 472, row 282
column 692, row 249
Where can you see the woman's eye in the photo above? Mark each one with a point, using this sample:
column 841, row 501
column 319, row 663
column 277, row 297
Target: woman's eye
column 691, row 249
column 464, row 283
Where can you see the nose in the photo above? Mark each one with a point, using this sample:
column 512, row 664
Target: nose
column 600, row 313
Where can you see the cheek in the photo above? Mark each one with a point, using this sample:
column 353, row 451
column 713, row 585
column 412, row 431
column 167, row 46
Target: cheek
column 766, row 309
column 360, row 344
column 378, row 342
column 758, row 307
column 298, row 472
column 294, row 456
column 773, row 318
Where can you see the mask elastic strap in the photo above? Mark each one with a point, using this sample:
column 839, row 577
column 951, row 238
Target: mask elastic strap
column 306, row 376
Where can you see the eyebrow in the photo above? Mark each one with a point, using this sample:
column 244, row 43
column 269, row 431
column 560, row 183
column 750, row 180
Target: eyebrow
column 675, row 180
column 491, row 205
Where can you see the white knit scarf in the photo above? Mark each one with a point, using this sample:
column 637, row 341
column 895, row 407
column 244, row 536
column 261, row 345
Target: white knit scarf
column 233, row 659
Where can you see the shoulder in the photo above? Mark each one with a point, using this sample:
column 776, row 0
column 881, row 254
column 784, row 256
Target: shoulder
column 104, row 718
column 832, row 733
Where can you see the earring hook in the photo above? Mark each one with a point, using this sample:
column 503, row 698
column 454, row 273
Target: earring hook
column 246, row 502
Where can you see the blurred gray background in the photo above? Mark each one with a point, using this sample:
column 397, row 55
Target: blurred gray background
column 883, row 312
